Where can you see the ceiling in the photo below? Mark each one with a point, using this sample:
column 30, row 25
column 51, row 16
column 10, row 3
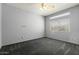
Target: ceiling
column 35, row 7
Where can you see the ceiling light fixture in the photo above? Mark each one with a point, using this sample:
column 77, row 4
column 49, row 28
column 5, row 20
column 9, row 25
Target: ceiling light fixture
column 46, row 6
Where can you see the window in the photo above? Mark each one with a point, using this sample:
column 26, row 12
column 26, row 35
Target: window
column 60, row 23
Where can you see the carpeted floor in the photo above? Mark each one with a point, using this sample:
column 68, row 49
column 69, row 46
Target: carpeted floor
column 42, row 46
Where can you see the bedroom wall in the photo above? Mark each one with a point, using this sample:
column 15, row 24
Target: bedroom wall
column 19, row 25
column 0, row 23
column 73, row 35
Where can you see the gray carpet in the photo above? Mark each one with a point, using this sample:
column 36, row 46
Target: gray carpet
column 42, row 46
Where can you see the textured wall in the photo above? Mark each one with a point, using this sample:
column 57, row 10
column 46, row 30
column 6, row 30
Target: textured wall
column 73, row 35
column 19, row 25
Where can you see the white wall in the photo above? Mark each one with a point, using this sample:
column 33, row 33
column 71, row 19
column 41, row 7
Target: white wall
column 73, row 35
column 0, row 24
column 19, row 25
